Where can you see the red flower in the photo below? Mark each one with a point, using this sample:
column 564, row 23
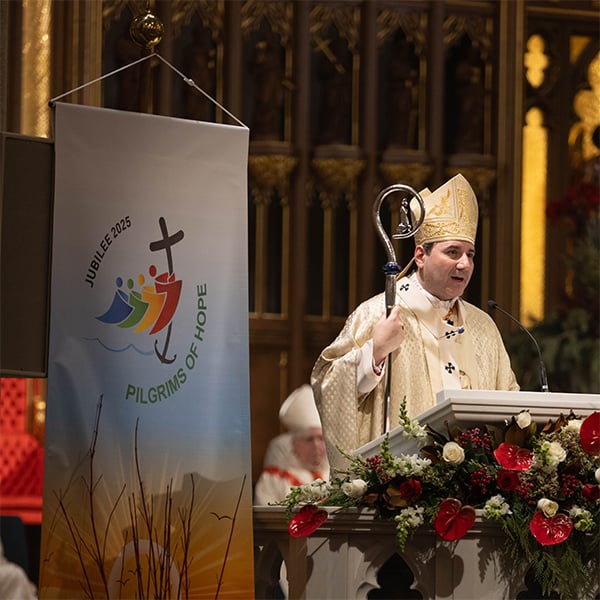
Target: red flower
column 453, row 519
column 402, row 494
column 308, row 519
column 591, row 492
column 513, row 457
column 550, row 530
column 410, row 489
column 508, row 481
column 577, row 204
column 589, row 434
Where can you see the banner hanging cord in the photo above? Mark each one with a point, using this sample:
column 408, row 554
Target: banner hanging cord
column 187, row 80
column 193, row 84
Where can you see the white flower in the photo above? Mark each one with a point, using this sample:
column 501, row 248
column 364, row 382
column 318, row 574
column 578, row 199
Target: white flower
column 576, row 512
column 597, row 475
column 548, row 507
column 523, row 419
column 412, row 516
column 453, row 453
column 412, row 429
column 556, row 453
column 582, row 518
column 496, row 507
column 497, row 501
column 406, row 520
column 407, row 465
column 551, row 454
column 355, row 488
column 574, row 425
column 313, row 491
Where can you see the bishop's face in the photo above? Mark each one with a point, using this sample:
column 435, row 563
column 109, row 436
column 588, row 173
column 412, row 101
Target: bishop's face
column 446, row 271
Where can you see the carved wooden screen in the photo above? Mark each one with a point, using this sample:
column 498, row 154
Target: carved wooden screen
column 342, row 99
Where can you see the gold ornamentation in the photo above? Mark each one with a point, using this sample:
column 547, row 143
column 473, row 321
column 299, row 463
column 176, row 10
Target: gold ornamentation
column 146, row 30
column 586, row 105
column 35, row 67
column 277, row 14
column 210, row 13
column 344, row 18
column 270, row 173
column 536, row 61
column 336, row 177
column 413, row 173
column 476, row 28
column 412, row 24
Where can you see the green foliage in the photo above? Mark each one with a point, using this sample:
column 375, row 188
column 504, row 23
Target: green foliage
column 560, row 569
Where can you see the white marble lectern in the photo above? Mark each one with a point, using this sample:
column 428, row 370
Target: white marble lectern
column 347, row 557
column 467, row 408
column 353, row 555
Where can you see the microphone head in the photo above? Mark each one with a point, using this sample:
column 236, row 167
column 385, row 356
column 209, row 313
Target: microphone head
column 492, row 303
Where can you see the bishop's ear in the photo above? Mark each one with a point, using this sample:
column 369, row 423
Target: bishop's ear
column 419, row 255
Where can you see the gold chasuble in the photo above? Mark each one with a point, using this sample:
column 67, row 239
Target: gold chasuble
column 458, row 349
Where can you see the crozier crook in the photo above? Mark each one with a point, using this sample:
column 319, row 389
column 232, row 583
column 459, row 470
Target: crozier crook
column 406, row 228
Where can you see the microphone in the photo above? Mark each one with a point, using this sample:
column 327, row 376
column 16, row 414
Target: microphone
column 543, row 375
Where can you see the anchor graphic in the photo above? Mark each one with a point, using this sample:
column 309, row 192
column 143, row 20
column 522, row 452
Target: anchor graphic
column 165, row 244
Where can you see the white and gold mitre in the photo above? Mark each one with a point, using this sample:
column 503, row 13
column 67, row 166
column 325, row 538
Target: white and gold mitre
column 299, row 412
column 451, row 213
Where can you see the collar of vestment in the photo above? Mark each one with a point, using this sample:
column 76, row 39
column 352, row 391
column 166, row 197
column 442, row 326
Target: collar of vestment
column 447, row 305
column 441, row 318
column 449, row 355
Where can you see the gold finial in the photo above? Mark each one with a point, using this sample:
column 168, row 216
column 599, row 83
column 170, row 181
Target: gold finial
column 146, row 30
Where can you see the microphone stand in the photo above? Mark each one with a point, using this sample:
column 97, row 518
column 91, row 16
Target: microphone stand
column 406, row 228
column 543, row 374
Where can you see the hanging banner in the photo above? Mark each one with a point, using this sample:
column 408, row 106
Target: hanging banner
column 147, row 489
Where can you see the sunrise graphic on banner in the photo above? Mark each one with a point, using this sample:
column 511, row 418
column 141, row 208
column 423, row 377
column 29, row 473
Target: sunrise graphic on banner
column 147, row 489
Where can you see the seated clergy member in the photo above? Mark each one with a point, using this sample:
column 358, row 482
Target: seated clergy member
column 297, row 456
column 14, row 582
column 437, row 340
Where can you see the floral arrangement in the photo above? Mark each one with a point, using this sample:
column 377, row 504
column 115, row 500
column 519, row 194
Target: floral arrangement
column 542, row 486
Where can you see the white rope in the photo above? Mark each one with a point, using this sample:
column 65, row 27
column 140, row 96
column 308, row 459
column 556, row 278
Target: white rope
column 191, row 82
column 53, row 100
column 187, row 80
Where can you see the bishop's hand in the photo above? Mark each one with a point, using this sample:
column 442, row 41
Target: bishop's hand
column 388, row 334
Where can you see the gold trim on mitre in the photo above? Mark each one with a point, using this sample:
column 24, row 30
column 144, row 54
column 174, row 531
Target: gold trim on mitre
column 451, row 213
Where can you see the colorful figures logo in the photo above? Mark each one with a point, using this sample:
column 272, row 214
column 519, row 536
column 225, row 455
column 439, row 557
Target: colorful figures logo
column 153, row 307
